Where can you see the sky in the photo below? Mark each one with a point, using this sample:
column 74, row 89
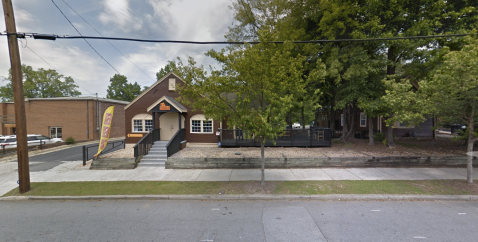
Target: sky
column 191, row 20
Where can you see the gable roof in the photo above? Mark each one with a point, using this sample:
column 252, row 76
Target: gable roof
column 151, row 87
column 171, row 101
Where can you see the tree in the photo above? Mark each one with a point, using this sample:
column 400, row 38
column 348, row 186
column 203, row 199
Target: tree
column 172, row 65
column 449, row 92
column 255, row 89
column 41, row 84
column 120, row 89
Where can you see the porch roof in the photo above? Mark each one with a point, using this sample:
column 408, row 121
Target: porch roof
column 178, row 106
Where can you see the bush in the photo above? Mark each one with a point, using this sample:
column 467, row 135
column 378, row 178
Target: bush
column 70, row 140
column 380, row 137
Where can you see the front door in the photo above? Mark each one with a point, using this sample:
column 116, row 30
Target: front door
column 168, row 123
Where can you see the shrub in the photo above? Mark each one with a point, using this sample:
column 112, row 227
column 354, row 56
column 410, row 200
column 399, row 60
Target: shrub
column 380, row 137
column 70, row 140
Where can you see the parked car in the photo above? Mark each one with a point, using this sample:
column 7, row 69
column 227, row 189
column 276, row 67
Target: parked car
column 296, row 126
column 10, row 141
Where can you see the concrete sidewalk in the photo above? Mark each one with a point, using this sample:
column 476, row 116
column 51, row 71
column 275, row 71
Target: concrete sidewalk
column 74, row 171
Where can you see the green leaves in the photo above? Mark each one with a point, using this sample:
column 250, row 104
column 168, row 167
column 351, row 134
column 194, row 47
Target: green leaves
column 41, row 84
column 255, row 89
column 120, row 89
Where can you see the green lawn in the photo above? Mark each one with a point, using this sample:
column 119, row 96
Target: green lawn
column 438, row 187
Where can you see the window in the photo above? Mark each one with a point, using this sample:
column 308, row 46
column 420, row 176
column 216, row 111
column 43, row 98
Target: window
column 148, row 125
column 138, row 125
column 363, row 120
column 341, row 120
column 199, row 124
column 142, row 122
column 172, row 84
column 403, row 125
column 56, row 132
column 196, row 126
column 207, row 126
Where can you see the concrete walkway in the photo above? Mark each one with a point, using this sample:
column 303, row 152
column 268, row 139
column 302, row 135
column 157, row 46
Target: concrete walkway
column 74, row 171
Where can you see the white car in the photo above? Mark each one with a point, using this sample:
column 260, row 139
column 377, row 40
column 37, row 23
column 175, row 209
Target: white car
column 10, row 141
column 296, row 126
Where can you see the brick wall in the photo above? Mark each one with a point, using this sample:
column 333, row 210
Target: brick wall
column 77, row 118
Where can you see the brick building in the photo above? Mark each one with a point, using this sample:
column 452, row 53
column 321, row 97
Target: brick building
column 158, row 108
column 63, row 117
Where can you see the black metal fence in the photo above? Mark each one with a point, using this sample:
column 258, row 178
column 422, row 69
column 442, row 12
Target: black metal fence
column 314, row 137
column 144, row 145
column 87, row 155
column 174, row 144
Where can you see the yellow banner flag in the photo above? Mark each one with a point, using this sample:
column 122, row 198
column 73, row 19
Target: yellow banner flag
column 105, row 128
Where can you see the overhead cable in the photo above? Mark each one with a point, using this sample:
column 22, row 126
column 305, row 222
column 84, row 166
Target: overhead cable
column 54, row 67
column 108, row 41
column 81, row 37
column 54, row 37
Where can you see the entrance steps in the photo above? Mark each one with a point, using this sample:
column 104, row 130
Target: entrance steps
column 156, row 156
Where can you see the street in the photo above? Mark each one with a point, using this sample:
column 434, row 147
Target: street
column 148, row 220
column 49, row 160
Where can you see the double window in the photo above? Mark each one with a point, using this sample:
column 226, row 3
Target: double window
column 199, row 124
column 56, row 132
column 142, row 123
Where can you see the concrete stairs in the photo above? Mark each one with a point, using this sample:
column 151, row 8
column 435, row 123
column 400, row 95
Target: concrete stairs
column 156, row 157
column 113, row 164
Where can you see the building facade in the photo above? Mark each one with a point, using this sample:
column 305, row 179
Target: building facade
column 158, row 108
column 63, row 117
column 362, row 123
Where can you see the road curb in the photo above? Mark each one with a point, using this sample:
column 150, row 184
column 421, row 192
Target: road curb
column 252, row 197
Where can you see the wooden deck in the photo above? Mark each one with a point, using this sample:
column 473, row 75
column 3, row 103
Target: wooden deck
column 318, row 137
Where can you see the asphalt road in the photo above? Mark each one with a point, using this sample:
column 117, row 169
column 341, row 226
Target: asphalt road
column 210, row 221
column 49, row 160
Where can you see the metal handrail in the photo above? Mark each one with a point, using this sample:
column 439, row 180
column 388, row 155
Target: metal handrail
column 144, row 145
column 87, row 148
column 174, row 143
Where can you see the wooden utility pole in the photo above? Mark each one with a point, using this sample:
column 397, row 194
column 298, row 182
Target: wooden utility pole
column 20, row 120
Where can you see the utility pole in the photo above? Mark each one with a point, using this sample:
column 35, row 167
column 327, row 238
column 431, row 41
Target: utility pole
column 20, row 120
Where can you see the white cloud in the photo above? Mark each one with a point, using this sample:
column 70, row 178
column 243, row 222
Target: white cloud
column 205, row 20
column 118, row 12
column 22, row 16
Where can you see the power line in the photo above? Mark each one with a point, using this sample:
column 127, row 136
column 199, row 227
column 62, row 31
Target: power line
column 53, row 67
column 83, row 38
column 107, row 40
column 54, row 37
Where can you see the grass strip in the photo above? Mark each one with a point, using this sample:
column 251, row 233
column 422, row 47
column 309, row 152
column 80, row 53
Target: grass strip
column 430, row 187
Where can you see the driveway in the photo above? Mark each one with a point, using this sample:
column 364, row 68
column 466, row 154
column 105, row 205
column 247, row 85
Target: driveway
column 49, row 160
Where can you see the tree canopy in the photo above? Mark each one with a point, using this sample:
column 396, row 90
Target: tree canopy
column 255, row 89
column 172, row 65
column 41, row 83
column 121, row 89
column 449, row 91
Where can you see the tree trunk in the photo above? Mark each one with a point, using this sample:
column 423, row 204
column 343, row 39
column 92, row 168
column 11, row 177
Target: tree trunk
column 345, row 127
column 390, row 71
column 302, row 117
column 263, row 178
column 370, row 131
column 469, row 149
column 390, row 141
column 351, row 125
column 332, row 116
